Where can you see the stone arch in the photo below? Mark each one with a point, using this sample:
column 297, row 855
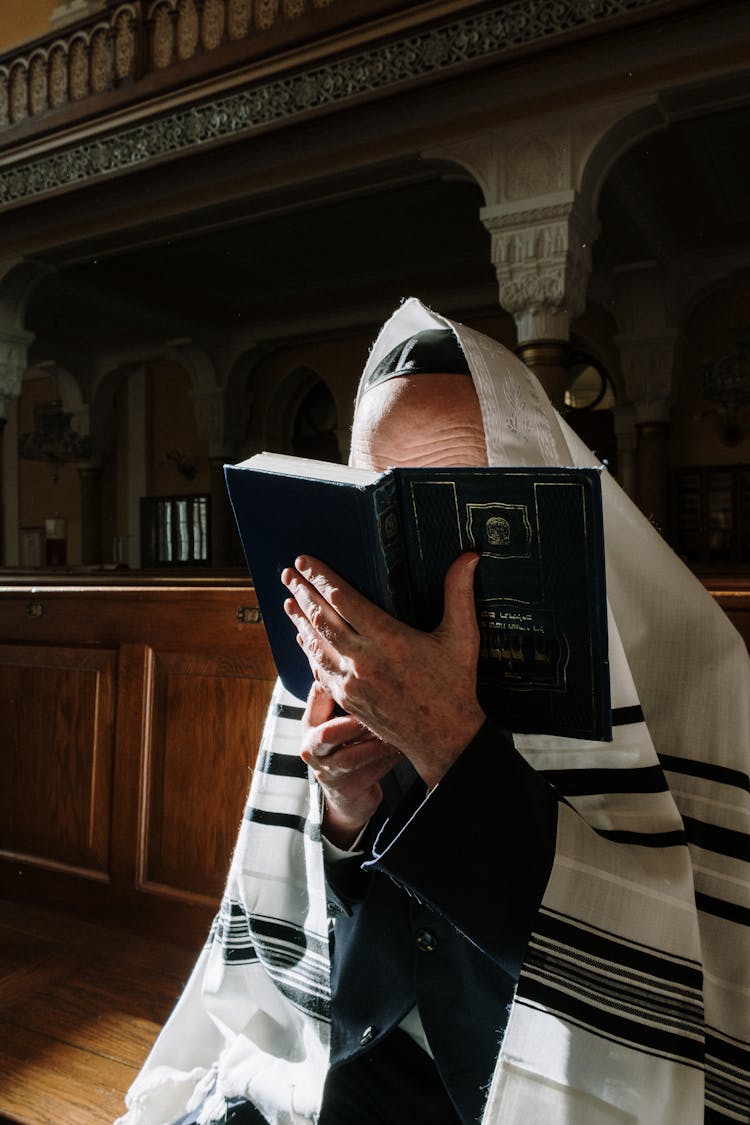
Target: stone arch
column 613, row 144
column 285, row 401
column 198, row 364
column 100, row 59
column 71, row 393
column 38, row 83
column 57, row 73
column 267, row 405
column 18, row 92
column 243, row 396
column 102, row 412
column 315, row 419
column 469, row 160
column 160, row 20
column 79, row 78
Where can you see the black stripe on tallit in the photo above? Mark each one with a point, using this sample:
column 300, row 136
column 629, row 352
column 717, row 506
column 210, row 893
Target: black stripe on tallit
column 673, row 1006
column 624, row 716
column 728, row 1050
column 287, row 711
column 720, row 908
column 715, row 1117
column 282, row 765
column 623, row 991
column 592, row 782
column 287, row 954
column 727, row 1076
column 723, row 775
column 277, row 819
column 628, row 1029
column 312, row 1003
column 722, row 841
column 671, row 839
column 272, row 929
column 609, row 948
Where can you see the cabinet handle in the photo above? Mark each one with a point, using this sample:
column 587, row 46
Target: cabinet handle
column 35, row 609
column 248, row 615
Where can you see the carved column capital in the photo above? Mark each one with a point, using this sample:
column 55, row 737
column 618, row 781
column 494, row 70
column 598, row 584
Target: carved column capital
column 542, row 257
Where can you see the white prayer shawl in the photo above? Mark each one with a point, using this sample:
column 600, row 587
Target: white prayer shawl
column 633, row 1005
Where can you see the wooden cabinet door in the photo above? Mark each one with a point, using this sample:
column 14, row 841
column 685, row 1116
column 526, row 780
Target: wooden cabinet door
column 57, row 711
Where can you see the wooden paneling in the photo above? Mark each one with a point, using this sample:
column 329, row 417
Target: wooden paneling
column 129, row 725
column 130, row 722
column 57, row 718
column 207, row 722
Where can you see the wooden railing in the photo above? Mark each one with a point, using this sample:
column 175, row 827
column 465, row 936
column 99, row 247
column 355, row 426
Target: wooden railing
column 733, row 595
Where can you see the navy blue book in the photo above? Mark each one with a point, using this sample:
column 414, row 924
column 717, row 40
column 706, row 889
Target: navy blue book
column 539, row 585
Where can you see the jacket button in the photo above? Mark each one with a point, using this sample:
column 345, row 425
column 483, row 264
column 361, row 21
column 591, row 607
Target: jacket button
column 426, row 941
column 367, row 1035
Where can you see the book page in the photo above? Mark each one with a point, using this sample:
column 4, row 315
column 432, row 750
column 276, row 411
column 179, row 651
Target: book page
column 289, row 465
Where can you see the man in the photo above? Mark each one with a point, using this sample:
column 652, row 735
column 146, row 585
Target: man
column 531, row 915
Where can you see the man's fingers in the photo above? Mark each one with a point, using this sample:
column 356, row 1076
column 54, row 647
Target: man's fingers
column 326, row 621
column 460, row 612
column 359, row 613
column 320, row 706
column 358, row 763
column 335, row 733
column 320, row 651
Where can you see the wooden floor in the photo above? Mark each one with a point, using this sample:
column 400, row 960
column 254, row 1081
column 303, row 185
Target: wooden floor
column 80, row 1006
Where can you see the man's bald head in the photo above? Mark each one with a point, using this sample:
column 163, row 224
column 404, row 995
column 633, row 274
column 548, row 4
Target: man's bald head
column 426, row 419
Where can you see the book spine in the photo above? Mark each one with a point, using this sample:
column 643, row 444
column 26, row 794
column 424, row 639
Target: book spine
column 390, row 551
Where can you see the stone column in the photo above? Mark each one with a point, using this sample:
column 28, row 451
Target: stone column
column 627, row 446
column 209, row 413
column 653, row 473
column 541, row 250
column 14, row 348
column 138, row 459
column 90, row 475
column 647, row 354
column 647, row 368
column 548, row 360
column 13, row 362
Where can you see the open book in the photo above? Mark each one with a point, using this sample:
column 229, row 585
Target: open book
column 539, row 586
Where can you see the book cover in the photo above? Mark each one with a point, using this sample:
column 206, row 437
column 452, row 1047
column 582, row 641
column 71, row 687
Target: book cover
column 539, row 586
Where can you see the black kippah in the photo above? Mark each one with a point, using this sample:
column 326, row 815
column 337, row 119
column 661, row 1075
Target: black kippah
column 430, row 351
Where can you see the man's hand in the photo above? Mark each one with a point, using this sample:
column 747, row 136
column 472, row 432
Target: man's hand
column 411, row 689
column 348, row 762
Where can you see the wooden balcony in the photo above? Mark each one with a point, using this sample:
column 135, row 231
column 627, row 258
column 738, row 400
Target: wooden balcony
column 140, row 50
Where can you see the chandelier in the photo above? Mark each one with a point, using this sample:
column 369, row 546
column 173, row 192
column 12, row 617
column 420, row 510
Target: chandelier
column 53, row 439
column 728, row 379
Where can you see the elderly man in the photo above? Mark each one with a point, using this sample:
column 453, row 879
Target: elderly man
column 523, row 930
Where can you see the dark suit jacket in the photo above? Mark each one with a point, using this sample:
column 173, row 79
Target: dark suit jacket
column 439, row 908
